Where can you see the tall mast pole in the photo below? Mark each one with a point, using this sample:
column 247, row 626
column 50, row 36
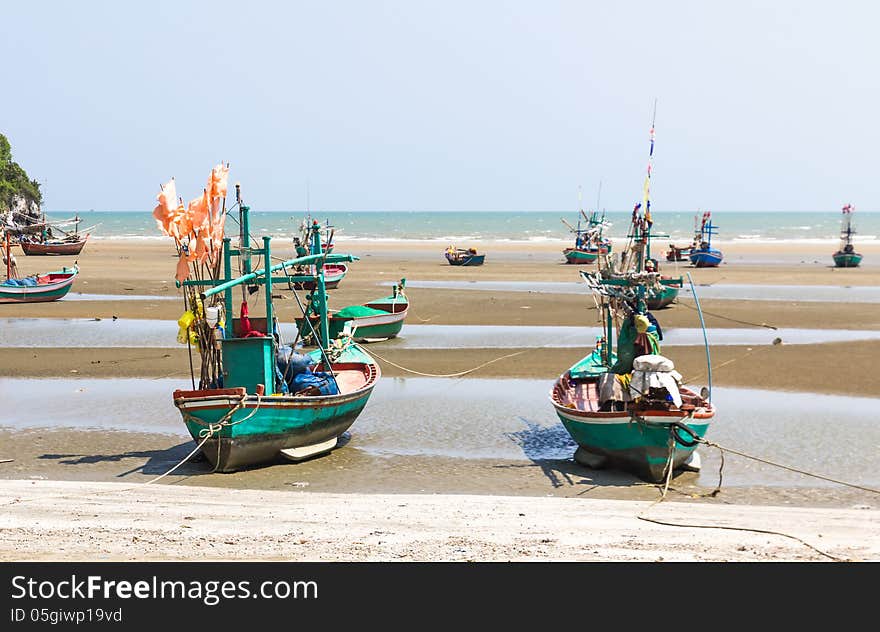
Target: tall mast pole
column 646, row 194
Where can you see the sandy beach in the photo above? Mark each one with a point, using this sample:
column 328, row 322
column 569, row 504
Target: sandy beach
column 80, row 494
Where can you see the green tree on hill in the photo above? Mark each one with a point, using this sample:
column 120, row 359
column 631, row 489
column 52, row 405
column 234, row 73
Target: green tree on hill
column 14, row 181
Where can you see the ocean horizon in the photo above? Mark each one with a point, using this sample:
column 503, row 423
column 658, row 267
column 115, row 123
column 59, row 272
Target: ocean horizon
column 512, row 226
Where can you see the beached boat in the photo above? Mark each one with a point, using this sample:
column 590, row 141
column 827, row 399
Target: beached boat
column 628, row 408
column 36, row 288
column 66, row 246
column 701, row 253
column 258, row 399
column 678, row 253
column 846, row 256
column 464, row 256
column 375, row 321
column 589, row 242
column 45, row 242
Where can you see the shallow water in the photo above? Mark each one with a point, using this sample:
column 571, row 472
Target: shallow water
column 88, row 332
column 508, row 420
column 800, row 293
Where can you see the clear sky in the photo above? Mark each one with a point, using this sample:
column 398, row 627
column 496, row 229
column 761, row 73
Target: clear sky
column 474, row 105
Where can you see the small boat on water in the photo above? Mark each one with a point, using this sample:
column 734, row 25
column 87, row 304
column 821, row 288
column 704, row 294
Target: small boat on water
column 464, row 256
column 36, row 288
column 701, row 253
column 375, row 321
column 846, row 256
column 259, row 400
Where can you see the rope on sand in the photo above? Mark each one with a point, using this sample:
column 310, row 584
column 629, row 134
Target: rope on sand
column 722, row 449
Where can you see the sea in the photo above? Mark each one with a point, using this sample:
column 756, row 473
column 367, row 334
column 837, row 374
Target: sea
column 518, row 226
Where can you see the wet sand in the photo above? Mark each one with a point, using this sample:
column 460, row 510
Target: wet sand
column 146, row 268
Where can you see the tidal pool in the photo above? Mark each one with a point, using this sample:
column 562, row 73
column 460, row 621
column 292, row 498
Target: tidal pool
column 509, row 420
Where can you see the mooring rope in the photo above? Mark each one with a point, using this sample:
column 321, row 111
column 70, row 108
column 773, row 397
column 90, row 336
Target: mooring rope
column 733, row 320
column 722, row 449
column 459, row 374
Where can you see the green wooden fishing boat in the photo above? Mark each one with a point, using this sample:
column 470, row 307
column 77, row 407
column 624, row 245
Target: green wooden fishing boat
column 259, row 400
column 628, row 408
column 375, row 321
column 590, row 241
column 846, row 256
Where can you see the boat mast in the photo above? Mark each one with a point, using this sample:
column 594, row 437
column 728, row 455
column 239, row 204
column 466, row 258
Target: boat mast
column 847, row 231
column 646, row 196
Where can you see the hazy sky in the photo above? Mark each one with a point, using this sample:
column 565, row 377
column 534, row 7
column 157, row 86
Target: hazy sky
column 446, row 105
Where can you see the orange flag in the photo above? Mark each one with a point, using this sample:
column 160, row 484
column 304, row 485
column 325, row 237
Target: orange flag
column 165, row 210
column 198, row 212
column 217, row 182
column 182, row 273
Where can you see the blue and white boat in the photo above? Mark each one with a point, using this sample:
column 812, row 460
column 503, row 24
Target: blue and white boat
column 702, row 254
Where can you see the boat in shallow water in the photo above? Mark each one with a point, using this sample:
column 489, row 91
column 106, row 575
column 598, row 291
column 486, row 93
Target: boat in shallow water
column 259, row 400
column 846, row 256
column 627, row 407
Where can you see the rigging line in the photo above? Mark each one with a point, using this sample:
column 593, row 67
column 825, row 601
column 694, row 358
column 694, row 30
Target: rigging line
column 733, row 320
column 691, row 380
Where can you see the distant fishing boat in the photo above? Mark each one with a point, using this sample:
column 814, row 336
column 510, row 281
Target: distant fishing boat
column 701, row 253
column 46, row 243
column 590, row 241
column 258, row 399
column 678, row 253
column 464, row 256
column 627, row 408
column 375, row 321
column 846, row 256
column 36, row 288
column 333, row 274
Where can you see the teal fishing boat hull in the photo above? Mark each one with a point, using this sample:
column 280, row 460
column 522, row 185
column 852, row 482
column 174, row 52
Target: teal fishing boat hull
column 385, row 321
column 250, row 428
column 579, row 255
column 634, row 441
column 663, row 299
column 847, row 260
